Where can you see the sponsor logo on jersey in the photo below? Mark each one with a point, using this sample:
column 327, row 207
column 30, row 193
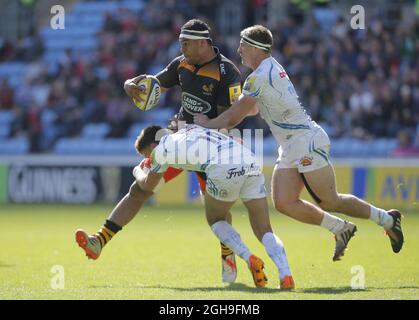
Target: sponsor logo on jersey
column 283, row 74
column 306, row 161
column 235, row 92
column 222, row 69
column 192, row 104
column 249, row 170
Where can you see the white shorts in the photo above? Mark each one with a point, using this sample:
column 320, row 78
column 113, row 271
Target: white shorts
column 225, row 183
column 307, row 152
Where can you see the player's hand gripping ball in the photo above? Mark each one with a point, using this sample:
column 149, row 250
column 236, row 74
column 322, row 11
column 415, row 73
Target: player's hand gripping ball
column 151, row 95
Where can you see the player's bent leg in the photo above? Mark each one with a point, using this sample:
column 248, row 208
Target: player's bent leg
column 258, row 216
column 228, row 259
column 122, row 214
column 285, row 182
column 322, row 183
column 259, row 220
column 216, row 212
column 129, row 205
column 286, row 189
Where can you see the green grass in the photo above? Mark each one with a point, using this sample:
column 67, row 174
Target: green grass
column 167, row 253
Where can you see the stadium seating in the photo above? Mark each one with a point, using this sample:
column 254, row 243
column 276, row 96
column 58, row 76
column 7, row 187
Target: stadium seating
column 84, row 22
column 95, row 130
column 94, row 146
column 14, row 146
column 13, row 72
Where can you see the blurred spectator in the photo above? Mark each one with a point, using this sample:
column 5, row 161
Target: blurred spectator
column 6, row 95
column 405, row 146
column 358, row 83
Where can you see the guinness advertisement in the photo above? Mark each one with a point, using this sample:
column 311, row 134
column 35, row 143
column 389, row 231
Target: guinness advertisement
column 67, row 184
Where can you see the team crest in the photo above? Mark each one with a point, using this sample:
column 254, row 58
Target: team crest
column 208, row 89
column 223, row 193
column 306, row 161
column 249, row 85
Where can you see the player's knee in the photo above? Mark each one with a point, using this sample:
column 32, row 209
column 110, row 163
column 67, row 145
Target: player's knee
column 281, row 206
column 331, row 204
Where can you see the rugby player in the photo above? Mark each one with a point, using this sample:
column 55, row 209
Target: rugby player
column 304, row 148
column 232, row 172
column 210, row 83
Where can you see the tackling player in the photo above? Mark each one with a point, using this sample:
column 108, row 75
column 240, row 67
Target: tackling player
column 304, row 148
column 232, row 172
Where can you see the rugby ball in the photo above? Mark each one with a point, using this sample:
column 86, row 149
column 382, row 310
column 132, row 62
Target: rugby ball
column 152, row 93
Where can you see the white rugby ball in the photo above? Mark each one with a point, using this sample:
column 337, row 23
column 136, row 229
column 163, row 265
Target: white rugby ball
column 152, row 93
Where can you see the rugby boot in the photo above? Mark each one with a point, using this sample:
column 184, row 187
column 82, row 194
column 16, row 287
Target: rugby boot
column 256, row 267
column 395, row 233
column 342, row 238
column 89, row 243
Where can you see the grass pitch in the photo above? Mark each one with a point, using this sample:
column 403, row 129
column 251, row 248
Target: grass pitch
column 171, row 253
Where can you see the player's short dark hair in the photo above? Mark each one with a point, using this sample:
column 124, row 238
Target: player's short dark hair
column 198, row 25
column 147, row 137
column 258, row 33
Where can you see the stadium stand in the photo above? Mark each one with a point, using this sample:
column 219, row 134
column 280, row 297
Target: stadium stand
column 61, row 90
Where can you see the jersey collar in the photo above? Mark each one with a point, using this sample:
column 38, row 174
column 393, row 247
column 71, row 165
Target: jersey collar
column 266, row 60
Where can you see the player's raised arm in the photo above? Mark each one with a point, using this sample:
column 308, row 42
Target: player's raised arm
column 245, row 106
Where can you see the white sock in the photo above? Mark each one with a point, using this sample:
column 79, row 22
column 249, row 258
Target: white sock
column 230, row 237
column 332, row 223
column 381, row 217
column 275, row 249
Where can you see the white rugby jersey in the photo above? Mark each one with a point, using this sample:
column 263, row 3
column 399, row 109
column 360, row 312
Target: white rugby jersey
column 195, row 148
column 277, row 100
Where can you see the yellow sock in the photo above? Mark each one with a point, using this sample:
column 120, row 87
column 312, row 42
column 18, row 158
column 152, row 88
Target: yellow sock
column 225, row 251
column 107, row 231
